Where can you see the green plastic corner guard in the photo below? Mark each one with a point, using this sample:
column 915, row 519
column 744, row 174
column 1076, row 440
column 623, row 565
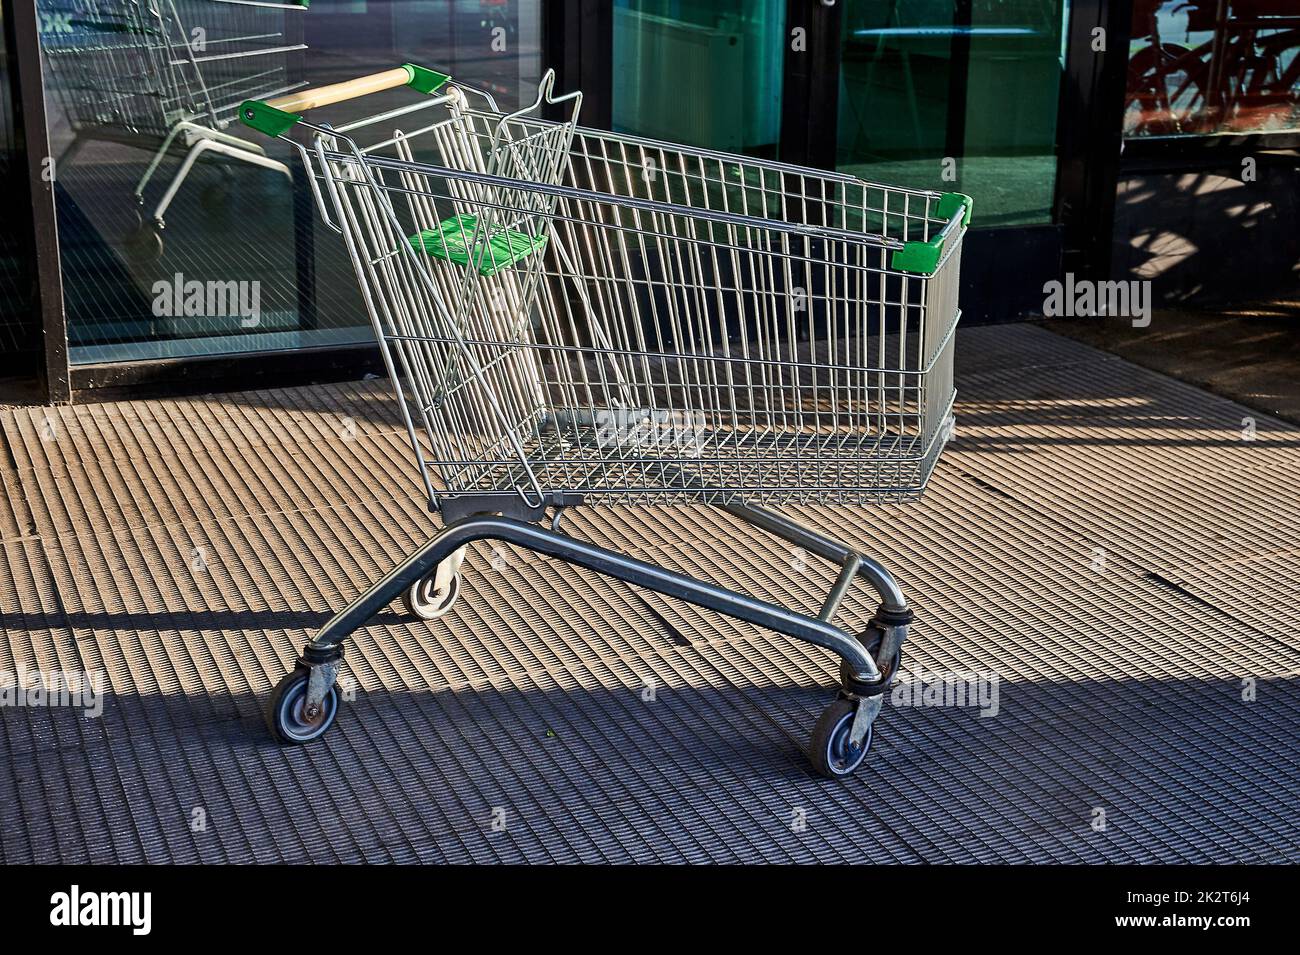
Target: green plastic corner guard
column 276, row 122
column 452, row 238
column 266, row 119
column 422, row 80
column 950, row 202
column 922, row 258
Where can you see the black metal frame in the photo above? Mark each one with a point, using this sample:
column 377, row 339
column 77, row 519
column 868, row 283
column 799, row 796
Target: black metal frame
column 862, row 676
column 1219, row 148
column 578, row 43
column 1089, row 131
column 242, row 371
column 22, row 33
column 304, row 703
column 810, row 86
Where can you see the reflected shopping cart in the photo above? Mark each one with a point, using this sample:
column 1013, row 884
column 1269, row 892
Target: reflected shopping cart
column 156, row 73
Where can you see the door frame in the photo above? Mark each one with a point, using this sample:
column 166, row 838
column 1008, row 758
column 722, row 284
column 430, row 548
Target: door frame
column 35, row 191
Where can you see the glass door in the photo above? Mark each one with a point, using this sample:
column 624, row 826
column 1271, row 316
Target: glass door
column 182, row 233
column 951, row 95
column 955, row 96
column 700, row 72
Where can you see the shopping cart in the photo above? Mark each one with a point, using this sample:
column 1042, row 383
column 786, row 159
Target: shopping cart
column 152, row 72
column 571, row 315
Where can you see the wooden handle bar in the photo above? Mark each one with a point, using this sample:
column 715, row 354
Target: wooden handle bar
column 304, row 100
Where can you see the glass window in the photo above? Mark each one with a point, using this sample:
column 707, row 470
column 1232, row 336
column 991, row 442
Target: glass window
column 700, row 72
column 1195, row 68
column 955, row 97
column 181, row 231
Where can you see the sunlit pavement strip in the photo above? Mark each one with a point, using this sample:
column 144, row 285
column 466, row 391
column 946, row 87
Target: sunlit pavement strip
column 1101, row 537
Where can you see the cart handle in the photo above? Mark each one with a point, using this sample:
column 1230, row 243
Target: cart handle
column 275, row 117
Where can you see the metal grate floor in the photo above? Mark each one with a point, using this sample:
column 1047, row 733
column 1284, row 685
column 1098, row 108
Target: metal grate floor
column 1099, row 536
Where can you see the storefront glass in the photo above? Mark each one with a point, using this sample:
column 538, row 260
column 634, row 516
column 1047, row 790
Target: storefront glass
column 700, row 72
column 955, row 96
column 161, row 192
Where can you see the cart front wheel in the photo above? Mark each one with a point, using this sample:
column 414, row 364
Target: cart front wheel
column 287, row 709
column 426, row 600
column 833, row 753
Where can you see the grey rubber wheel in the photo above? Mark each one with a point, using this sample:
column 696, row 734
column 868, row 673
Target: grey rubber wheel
column 286, row 710
column 427, row 602
column 832, row 754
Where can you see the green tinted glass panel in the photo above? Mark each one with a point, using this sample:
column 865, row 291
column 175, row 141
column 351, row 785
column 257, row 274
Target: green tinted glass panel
column 700, row 72
column 957, row 97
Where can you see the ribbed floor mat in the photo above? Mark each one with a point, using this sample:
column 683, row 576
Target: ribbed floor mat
column 1098, row 536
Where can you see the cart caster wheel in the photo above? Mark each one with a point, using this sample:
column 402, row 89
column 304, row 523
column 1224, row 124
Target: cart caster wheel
column 285, row 711
column 833, row 755
column 428, row 602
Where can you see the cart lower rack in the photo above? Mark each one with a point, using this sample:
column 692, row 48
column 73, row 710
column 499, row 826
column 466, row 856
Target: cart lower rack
column 570, row 315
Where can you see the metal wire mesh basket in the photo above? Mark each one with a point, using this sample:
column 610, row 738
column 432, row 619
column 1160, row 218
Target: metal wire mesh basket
column 570, row 314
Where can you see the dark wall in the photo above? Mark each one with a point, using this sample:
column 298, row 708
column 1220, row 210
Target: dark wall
column 20, row 328
column 1207, row 238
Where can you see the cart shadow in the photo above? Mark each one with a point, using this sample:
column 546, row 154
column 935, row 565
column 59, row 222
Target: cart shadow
column 190, row 621
column 603, row 770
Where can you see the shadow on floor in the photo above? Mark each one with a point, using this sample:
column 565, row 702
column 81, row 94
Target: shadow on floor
column 1249, row 353
column 1171, row 770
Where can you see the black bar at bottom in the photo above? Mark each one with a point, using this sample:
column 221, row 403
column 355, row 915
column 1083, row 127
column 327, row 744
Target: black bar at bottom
column 978, row 907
